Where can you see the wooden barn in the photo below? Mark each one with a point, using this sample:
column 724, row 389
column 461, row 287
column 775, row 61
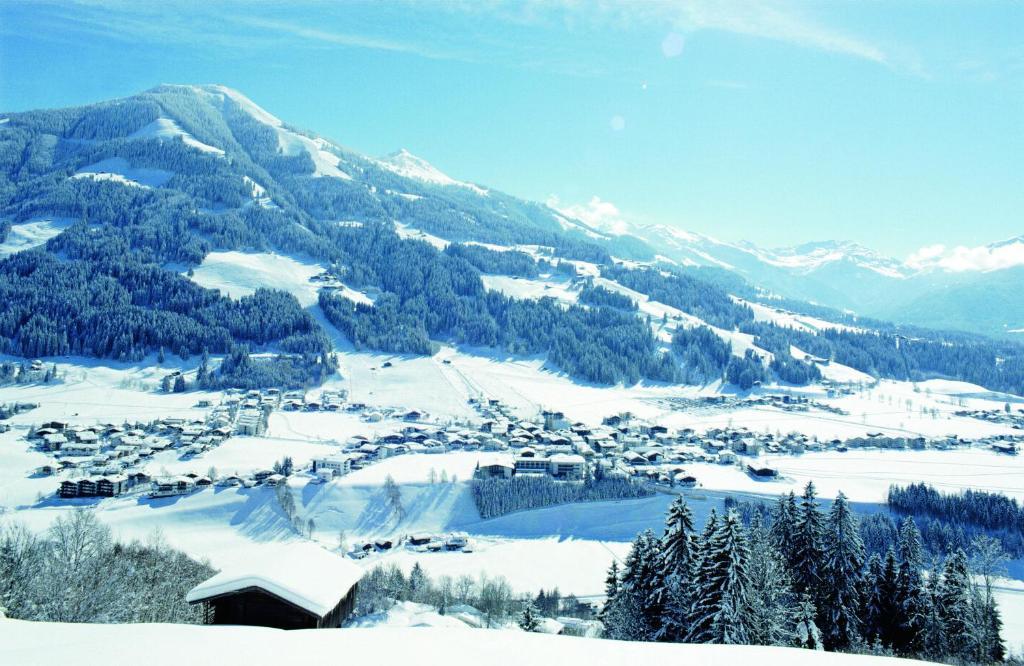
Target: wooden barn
column 295, row 588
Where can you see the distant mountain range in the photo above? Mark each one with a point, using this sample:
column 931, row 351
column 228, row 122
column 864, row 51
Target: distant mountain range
column 978, row 293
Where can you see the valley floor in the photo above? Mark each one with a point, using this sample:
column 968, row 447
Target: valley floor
column 569, row 547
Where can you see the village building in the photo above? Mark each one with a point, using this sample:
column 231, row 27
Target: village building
column 307, row 589
column 337, row 465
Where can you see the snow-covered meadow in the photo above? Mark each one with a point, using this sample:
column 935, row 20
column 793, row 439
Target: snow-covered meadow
column 32, row 233
column 31, row 644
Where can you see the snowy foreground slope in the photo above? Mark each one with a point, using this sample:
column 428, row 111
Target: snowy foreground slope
column 29, row 643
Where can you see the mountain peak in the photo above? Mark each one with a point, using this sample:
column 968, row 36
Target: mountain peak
column 405, row 163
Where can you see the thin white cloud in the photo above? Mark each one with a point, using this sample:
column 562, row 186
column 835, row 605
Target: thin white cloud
column 344, row 39
column 962, row 259
column 258, row 24
column 778, row 21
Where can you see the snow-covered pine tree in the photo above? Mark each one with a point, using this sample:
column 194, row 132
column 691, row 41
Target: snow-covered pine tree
column 772, row 602
column 889, row 611
column 783, row 528
column 993, row 649
column 677, row 543
column 528, row 618
column 723, row 610
column 701, row 545
column 910, row 592
column 808, row 636
column 611, row 591
column 632, row 614
column 676, row 572
column 956, row 600
column 808, row 551
column 988, row 559
column 871, row 600
column 934, row 637
column 840, row 573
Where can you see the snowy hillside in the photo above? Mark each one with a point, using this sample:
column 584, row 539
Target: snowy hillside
column 408, row 165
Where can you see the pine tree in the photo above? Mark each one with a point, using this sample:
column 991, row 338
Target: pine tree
column 840, row 577
column 910, row 592
column 934, row 636
column 955, row 597
column 628, row 614
column 773, row 604
column 808, row 552
column 722, row 607
column 808, row 636
column 677, row 543
column 611, row 581
column 888, row 617
column 676, row 572
column 417, row 584
column 528, row 618
column 202, row 374
column 987, row 561
column 871, row 600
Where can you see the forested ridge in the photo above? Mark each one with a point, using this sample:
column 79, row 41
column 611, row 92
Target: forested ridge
column 104, row 286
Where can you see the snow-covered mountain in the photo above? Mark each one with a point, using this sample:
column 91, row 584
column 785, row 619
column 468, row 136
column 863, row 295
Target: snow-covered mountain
column 963, row 288
column 408, row 165
column 228, row 154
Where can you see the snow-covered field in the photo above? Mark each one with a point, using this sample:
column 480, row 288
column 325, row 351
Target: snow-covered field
column 32, row 233
column 240, row 455
column 560, row 290
column 238, row 274
column 30, row 644
column 405, row 231
column 117, row 169
column 165, row 128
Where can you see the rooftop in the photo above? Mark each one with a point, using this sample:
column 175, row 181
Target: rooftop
column 306, row 576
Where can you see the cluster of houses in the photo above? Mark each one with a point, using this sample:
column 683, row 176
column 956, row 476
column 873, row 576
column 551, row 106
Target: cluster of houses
column 108, row 459
column 786, row 402
column 26, row 373
column 621, row 446
column 1012, row 418
column 13, row 409
column 251, row 409
column 329, row 401
column 420, row 543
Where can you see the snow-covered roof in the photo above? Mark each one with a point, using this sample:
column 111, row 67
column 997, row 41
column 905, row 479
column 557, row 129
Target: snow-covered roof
column 310, row 578
column 567, row 459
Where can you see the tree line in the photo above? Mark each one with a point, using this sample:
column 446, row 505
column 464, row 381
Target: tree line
column 497, row 496
column 77, row 572
column 804, row 579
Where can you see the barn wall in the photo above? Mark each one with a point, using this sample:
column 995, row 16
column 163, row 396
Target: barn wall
column 255, row 607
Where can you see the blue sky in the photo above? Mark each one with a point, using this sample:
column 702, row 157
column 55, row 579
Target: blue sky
column 895, row 124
